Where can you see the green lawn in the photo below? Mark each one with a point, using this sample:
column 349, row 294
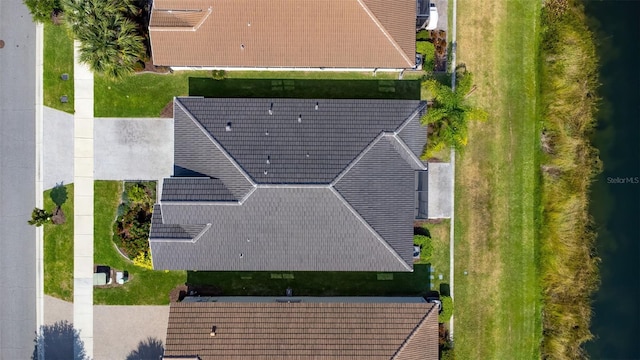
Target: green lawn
column 498, row 303
column 315, row 283
column 145, row 286
column 58, row 250
column 145, row 95
column 58, row 60
column 439, row 262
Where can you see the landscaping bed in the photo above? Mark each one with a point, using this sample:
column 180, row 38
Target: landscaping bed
column 145, row 287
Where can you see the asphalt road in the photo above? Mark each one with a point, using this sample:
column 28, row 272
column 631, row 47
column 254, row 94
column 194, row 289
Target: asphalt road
column 17, row 181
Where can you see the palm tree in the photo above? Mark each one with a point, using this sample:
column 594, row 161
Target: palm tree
column 111, row 42
column 448, row 117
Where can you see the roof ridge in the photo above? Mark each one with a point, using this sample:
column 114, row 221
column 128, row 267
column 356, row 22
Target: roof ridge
column 408, row 151
column 215, row 142
column 370, row 228
column 408, row 339
column 192, row 240
column 423, row 105
column 357, row 159
column 386, row 34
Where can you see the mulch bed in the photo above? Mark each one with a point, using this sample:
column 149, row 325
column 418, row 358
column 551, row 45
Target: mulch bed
column 167, row 112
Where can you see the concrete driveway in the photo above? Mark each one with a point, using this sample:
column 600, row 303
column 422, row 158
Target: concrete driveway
column 125, row 148
column 57, row 147
column 133, row 149
column 117, row 330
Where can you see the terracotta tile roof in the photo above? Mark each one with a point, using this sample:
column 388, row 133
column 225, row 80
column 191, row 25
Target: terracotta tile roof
column 284, row 33
column 402, row 331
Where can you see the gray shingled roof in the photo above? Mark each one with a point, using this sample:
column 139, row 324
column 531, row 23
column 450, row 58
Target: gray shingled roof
column 357, row 217
column 331, row 136
column 376, row 187
column 284, row 228
column 195, row 189
column 173, row 232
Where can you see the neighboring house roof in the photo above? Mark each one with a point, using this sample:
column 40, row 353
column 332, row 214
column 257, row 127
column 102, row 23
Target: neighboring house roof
column 332, row 192
column 303, row 330
column 283, row 33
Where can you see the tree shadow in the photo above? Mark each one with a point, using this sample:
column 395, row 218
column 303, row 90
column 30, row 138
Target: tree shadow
column 149, row 349
column 59, row 341
column 419, row 230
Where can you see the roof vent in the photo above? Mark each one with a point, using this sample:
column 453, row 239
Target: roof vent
column 266, row 172
column 307, row 154
column 242, row 46
column 317, row 106
column 213, row 331
column 271, row 109
column 300, row 118
column 228, row 127
column 266, row 132
column 241, row 255
column 268, row 159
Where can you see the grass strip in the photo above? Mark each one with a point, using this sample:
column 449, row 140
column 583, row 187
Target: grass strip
column 497, row 289
column 58, row 60
column 58, row 250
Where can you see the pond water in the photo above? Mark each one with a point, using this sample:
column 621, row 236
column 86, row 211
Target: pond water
column 615, row 197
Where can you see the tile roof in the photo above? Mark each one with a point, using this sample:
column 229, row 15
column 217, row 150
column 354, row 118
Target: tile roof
column 367, row 331
column 286, row 228
column 373, row 196
column 195, row 189
column 284, row 33
column 297, row 143
column 349, row 206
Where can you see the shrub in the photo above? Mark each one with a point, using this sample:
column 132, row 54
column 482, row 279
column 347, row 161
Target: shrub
column 42, row 10
column 447, row 309
column 426, row 246
column 143, row 260
column 423, row 35
column 428, row 51
column 138, row 194
column 40, row 217
column 218, row 74
column 447, row 354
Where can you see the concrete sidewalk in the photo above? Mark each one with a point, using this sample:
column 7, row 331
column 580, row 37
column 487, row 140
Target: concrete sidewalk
column 83, row 203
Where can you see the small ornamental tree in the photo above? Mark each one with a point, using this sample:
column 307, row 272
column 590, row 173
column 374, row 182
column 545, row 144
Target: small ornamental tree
column 450, row 114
